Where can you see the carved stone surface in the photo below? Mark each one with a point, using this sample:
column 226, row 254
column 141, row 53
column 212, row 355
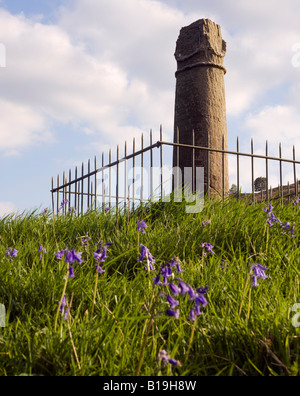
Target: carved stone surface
column 200, row 100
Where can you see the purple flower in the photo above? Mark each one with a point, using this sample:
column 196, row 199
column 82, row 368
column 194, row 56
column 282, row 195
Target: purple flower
column 157, row 280
column 259, row 273
column 208, row 247
column 145, row 253
column 174, row 362
column 166, row 272
column 295, row 203
column 174, row 314
column 174, row 289
column 184, row 288
column 85, row 239
column 192, row 315
column 203, row 290
column 192, row 293
column 42, row 249
column 63, row 304
column 293, row 230
column 72, row 256
column 60, row 254
column 101, row 254
column 205, row 223
column 67, row 314
column 164, row 357
column 71, row 273
column 173, row 303
column 268, row 209
column 141, row 226
column 201, row 300
column 12, row 253
column 63, row 204
column 99, row 269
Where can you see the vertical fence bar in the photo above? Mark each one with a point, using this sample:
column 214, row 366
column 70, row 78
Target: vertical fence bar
column 223, row 167
column 151, row 166
column 95, row 165
column 142, row 169
column 70, row 188
column 267, row 172
column 89, row 182
column 109, row 179
column 82, row 187
column 133, row 164
column 178, row 163
column 53, row 205
column 194, row 166
column 117, row 180
column 125, row 176
column 161, row 164
column 63, row 193
column 280, row 169
column 57, row 195
column 208, row 167
column 252, row 171
column 238, row 166
column 76, row 191
column 295, row 175
column 103, row 184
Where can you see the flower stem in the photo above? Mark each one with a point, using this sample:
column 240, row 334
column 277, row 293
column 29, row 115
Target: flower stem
column 95, row 291
column 62, row 296
column 191, row 340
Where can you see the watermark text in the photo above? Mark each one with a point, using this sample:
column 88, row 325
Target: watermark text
column 296, row 57
column 2, row 316
column 2, row 55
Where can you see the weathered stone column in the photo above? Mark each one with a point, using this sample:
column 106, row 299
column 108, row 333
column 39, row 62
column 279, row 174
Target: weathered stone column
column 200, row 100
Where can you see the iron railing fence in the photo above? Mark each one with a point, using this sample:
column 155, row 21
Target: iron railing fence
column 114, row 183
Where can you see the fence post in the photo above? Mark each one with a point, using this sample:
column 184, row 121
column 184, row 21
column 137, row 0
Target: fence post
column 252, row 171
column 267, row 172
column 238, row 165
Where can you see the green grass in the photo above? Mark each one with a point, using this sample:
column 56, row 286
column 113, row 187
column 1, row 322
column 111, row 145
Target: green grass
column 243, row 330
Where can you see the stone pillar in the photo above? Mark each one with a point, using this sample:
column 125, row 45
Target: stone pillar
column 200, row 100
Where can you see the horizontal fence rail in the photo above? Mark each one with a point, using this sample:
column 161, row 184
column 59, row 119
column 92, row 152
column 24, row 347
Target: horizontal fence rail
column 139, row 177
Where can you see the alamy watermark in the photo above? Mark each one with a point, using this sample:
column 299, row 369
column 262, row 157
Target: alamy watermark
column 296, row 57
column 296, row 317
column 138, row 181
column 2, row 316
column 2, row 55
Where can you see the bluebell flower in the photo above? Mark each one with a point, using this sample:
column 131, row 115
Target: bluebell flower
column 145, row 253
column 268, row 209
column 101, row 254
column 63, row 304
column 59, row 254
column 184, row 288
column 72, row 256
column 259, row 273
column 174, row 289
column 173, row 303
column 164, row 358
column 208, row 247
column 174, row 314
column 141, row 226
column 11, row 253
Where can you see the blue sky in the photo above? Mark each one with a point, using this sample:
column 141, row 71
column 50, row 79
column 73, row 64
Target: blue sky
column 82, row 76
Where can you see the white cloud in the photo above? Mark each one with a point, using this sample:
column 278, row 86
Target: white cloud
column 277, row 124
column 20, row 127
column 7, row 208
column 107, row 67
